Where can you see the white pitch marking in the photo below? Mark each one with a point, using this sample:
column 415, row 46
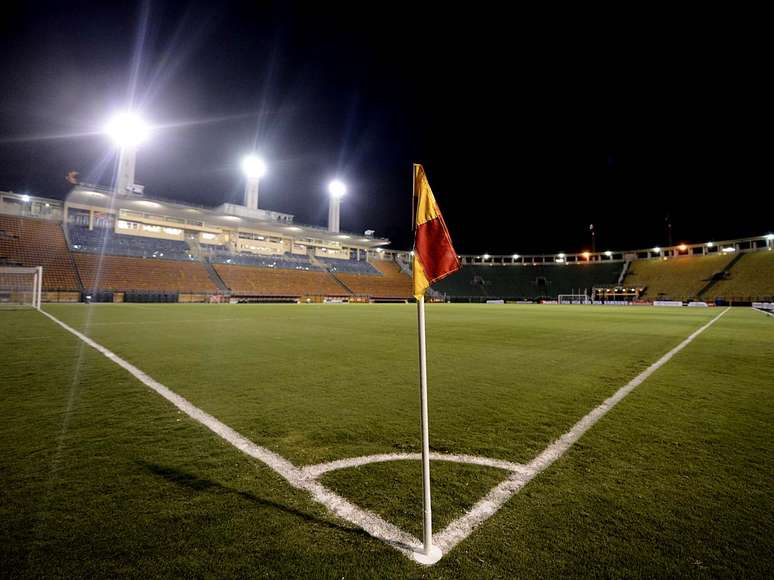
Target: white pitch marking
column 461, row 528
column 370, row 522
column 315, row 471
column 455, row 532
column 766, row 312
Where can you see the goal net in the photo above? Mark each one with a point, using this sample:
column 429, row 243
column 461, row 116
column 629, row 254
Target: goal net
column 20, row 287
column 574, row 299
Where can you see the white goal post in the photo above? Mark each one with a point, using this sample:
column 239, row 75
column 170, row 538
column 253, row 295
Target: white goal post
column 20, row 287
column 573, row 299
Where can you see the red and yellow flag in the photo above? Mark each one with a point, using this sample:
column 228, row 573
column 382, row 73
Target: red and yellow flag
column 434, row 255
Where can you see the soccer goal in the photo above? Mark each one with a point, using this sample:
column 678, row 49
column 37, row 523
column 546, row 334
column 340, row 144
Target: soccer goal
column 20, row 287
column 574, row 299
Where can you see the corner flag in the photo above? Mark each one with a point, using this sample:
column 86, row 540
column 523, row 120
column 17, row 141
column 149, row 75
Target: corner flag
column 434, row 259
column 434, row 255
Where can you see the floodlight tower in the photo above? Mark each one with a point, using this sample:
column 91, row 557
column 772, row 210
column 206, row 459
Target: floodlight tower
column 254, row 168
column 127, row 130
column 337, row 190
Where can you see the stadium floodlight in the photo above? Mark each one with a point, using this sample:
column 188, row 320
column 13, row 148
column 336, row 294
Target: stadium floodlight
column 561, row 255
column 337, row 190
column 682, row 247
column 25, row 198
column 127, row 129
column 657, row 250
column 486, row 256
column 254, row 168
column 586, row 255
column 710, row 244
column 608, row 253
column 770, row 237
column 515, row 256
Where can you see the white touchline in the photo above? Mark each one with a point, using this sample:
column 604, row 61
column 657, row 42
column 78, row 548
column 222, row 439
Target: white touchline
column 461, row 528
column 371, row 523
column 305, row 478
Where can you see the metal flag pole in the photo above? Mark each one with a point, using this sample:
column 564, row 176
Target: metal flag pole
column 430, row 554
column 427, row 525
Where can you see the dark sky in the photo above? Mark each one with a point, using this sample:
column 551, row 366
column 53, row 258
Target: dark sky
column 530, row 125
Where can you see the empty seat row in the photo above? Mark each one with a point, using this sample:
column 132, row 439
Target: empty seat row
column 392, row 283
column 124, row 273
column 106, row 241
column 33, row 242
column 249, row 280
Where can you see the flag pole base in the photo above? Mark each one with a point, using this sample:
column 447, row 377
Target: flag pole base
column 428, row 559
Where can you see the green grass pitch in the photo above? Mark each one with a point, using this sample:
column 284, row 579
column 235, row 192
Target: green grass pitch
column 100, row 476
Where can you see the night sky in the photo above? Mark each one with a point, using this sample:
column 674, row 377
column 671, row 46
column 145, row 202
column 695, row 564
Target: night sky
column 531, row 126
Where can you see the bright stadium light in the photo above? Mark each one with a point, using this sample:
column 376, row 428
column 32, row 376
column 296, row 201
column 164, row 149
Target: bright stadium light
column 25, row 198
column 486, row 256
column 253, row 167
column 337, row 189
column 770, row 237
column 586, row 255
column 657, row 250
column 127, row 129
column 608, row 253
column 515, row 256
column 682, row 247
column 710, row 244
column 561, row 255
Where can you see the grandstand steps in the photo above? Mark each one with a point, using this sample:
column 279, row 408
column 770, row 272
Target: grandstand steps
column 70, row 258
column 214, row 276
column 718, row 276
column 623, row 273
column 322, row 265
column 405, row 266
column 340, row 283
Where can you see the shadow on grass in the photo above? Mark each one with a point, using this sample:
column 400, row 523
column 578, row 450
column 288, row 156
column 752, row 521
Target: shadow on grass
column 195, row 483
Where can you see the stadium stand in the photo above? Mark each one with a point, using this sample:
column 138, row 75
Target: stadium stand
column 103, row 240
column 391, row 284
column 252, row 281
column 37, row 242
column 750, row 278
column 285, row 261
column 527, row 282
column 350, row 266
column 679, row 278
column 124, row 273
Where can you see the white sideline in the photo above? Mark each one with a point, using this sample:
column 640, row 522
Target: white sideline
column 306, row 478
column 371, row 523
column 766, row 312
column 496, row 498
